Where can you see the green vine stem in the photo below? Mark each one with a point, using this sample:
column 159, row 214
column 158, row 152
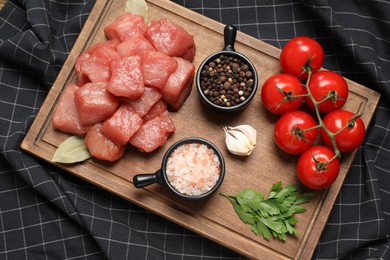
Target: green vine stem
column 288, row 96
column 319, row 118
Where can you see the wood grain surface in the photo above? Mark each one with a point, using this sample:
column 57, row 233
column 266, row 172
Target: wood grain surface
column 2, row 3
column 213, row 218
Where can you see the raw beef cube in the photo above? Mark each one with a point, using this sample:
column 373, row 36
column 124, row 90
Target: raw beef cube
column 81, row 77
column 143, row 104
column 126, row 26
column 156, row 110
column 167, row 124
column 111, row 44
column 153, row 133
column 135, row 45
column 179, row 84
column 96, row 69
column 157, row 67
column 126, row 79
column 94, row 103
column 149, row 137
column 97, row 66
column 66, row 117
column 171, row 39
column 100, row 147
column 121, row 126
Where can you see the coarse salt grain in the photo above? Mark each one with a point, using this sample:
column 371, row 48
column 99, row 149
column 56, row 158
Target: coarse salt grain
column 193, row 169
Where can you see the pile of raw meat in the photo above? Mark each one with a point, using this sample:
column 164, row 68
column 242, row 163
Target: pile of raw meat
column 126, row 85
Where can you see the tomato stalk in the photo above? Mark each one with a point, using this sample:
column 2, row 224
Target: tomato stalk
column 321, row 166
column 307, row 66
column 333, row 96
column 319, row 118
column 350, row 123
column 288, row 96
column 312, row 128
column 300, row 133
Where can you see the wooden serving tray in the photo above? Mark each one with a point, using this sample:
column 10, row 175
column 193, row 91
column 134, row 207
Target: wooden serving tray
column 213, row 218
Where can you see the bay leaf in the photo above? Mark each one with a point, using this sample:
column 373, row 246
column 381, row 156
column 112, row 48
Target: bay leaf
column 138, row 7
column 71, row 150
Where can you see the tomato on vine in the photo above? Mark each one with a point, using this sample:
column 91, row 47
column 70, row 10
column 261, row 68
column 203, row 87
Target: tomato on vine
column 299, row 54
column 282, row 93
column 295, row 132
column 318, row 168
column 348, row 128
column 330, row 89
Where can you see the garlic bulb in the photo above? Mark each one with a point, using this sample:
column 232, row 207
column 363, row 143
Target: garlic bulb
column 240, row 140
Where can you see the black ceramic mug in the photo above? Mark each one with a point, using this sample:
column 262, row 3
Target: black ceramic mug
column 230, row 32
column 160, row 176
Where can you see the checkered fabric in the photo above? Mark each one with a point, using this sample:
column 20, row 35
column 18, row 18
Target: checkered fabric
column 46, row 213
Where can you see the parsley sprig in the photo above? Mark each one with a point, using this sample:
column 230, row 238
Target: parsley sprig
column 273, row 216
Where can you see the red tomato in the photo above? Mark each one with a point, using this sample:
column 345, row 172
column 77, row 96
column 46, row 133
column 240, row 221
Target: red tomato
column 279, row 93
column 314, row 169
column 326, row 83
column 300, row 52
column 291, row 134
column 348, row 139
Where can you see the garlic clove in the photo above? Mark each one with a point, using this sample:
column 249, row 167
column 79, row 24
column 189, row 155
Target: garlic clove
column 248, row 131
column 235, row 145
column 240, row 136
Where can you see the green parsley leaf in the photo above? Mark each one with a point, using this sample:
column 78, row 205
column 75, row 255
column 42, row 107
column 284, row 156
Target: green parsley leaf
column 287, row 191
column 272, row 217
column 247, row 218
column 290, row 229
column 276, row 187
column 249, row 199
column 263, row 230
column 270, row 208
column 303, row 198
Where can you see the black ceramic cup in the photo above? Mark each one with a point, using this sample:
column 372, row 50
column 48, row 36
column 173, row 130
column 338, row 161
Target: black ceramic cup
column 230, row 33
column 160, row 176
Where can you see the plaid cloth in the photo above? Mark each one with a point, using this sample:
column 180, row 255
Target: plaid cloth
column 46, row 213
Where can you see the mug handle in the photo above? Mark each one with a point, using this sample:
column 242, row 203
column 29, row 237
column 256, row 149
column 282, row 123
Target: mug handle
column 145, row 179
column 229, row 34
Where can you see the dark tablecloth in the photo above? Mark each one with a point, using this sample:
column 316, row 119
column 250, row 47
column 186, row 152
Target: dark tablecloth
column 46, row 213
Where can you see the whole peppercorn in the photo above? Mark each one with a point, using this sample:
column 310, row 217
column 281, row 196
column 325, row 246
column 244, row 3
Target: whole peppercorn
column 249, row 74
column 227, row 85
column 249, row 83
column 245, row 67
column 226, row 81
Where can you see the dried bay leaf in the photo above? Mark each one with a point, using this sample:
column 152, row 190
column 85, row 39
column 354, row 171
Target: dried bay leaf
column 71, row 150
column 138, row 7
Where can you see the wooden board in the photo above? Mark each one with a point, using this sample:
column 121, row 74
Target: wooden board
column 215, row 217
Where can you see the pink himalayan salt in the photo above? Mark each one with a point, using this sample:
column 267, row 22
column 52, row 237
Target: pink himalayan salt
column 193, row 169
